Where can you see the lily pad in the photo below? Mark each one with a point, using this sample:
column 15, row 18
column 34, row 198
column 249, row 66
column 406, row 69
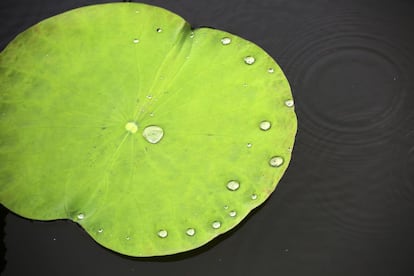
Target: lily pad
column 154, row 137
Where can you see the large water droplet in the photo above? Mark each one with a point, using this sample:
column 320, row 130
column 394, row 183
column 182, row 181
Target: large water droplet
column 271, row 70
column 249, row 145
column 190, row 232
column 159, row 30
column 276, row 161
column 253, row 196
column 226, row 40
column 80, row 216
column 249, row 60
column 265, row 125
column 232, row 213
column 233, row 185
column 131, row 127
column 136, row 40
column 153, row 134
column 216, row 224
column 162, row 233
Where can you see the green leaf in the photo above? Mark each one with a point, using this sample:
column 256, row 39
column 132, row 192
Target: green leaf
column 155, row 138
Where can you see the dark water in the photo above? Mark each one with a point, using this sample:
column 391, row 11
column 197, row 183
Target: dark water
column 346, row 204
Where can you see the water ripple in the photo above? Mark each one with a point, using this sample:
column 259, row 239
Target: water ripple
column 352, row 85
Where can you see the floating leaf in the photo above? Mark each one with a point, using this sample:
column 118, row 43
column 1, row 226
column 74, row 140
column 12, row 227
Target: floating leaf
column 154, row 137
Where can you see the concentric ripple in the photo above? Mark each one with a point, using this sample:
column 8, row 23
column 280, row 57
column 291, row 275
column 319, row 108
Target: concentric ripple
column 352, row 95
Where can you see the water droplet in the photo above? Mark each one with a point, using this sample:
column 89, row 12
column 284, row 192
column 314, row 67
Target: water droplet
column 152, row 114
column 128, row 238
column 190, row 232
column 54, row 239
column 249, row 60
column 192, row 35
column 249, row 145
column 216, row 224
column 159, row 30
column 153, row 134
column 136, row 40
column 132, row 127
column 276, row 161
column 289, row 103
column 81, row 216
column 233, row 185
column 226, row 40
column 162, row 233
column 232, row 213
column 226, row 207
column 253, row 196
column 136, row 11
column 271, row 70
column 265, row 125
column 149, row 97
column 100, row 230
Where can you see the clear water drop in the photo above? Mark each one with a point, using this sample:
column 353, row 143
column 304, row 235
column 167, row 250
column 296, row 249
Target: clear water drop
column 216, row 224
column 131, row 127
column 149, row 97
column 276, row 161
column 265, row 125
column 226, row 40
column 226, row 207
column 100, row 230
column 190, row 232
column 136, row 40
column 232, row 213
column 233, row 185
column 159, row 30
column 81, row 216
column 162, row 233
column 192, row 35
column 271, row 70
column 152, row 114
column 153, row 134
column 128, row 238
column 253, row 196
column 249, row 145
column 289, row 103
column 249, row 60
